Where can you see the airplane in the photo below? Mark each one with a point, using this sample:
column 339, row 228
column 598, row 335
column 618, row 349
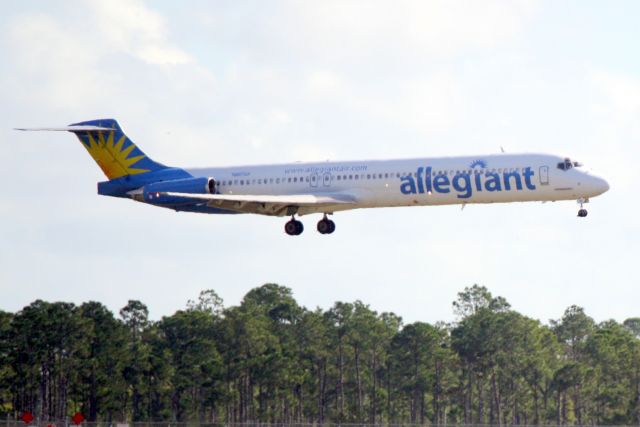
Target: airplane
column 329, row 187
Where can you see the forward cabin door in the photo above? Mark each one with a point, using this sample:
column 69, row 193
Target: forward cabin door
column 544, row 175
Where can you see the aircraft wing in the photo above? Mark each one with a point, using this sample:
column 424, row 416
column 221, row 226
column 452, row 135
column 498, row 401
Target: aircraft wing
column 277, row 205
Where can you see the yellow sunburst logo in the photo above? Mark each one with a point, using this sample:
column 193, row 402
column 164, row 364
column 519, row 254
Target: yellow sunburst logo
column 111, row 156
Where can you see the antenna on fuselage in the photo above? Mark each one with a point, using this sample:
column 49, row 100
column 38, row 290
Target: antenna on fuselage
column 501, row 149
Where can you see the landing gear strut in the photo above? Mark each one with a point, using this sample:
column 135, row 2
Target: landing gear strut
column 582, row 212
column 293, row 227
column 326, row 226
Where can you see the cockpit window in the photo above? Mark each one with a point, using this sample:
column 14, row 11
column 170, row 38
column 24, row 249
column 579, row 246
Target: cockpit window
column 568, row 164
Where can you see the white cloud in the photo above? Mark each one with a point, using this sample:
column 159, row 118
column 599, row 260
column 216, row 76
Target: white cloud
column 621, row 95
column 60, row 67
column 615, row 111
column 443, row 28
column 130, row 26
column 325, row 83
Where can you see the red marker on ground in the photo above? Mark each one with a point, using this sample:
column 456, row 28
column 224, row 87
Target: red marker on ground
column 77, row 418
column 27, row 417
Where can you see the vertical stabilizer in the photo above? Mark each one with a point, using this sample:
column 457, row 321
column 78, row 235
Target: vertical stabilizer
column 112, row 150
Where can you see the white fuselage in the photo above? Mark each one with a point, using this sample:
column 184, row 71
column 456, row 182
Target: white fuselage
column 499, row 178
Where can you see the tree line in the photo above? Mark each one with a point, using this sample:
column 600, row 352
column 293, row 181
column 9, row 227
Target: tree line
column 271, row 360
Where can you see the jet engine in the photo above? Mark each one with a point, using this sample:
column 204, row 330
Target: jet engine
column 153, row 193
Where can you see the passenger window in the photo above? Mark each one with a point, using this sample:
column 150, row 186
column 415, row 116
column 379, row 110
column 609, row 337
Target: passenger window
column 356, row 176
column 277, row 180
column 350, row 176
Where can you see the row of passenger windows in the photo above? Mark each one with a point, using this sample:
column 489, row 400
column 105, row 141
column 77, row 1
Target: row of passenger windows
column 362, row 176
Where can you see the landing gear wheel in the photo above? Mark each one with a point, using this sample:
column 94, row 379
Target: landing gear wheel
column 326, row 226
column 293, row 227
column 582, row 213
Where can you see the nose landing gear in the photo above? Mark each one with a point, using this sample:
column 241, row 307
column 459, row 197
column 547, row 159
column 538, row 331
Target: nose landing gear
column 293, row 227
column 582, row 212
column 326, row 226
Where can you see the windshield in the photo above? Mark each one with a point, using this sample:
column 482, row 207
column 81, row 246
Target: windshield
column 567, row 164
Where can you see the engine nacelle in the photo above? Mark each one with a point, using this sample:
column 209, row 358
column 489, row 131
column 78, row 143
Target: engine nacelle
column 152, row 193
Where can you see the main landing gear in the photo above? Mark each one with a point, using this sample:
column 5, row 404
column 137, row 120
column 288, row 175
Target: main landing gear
column 295, row 227
column 582, row 212
column 326, row 226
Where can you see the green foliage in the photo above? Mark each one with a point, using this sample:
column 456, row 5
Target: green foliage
column 271, row 360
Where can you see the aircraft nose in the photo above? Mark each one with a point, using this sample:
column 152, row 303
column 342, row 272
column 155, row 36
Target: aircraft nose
column 601, row 185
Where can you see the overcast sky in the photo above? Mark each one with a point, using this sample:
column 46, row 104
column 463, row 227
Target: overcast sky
column 206, row 83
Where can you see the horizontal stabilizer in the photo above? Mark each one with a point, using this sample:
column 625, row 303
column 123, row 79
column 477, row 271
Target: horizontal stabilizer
column 76, row 128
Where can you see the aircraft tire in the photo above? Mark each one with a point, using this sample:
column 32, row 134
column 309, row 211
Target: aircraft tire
column 324, row 227
column 291, row 227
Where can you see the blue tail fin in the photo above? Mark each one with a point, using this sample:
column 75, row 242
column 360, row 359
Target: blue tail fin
column 113, row 151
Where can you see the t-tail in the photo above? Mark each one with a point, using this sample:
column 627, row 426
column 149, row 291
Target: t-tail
column 112, row 150
column 125, row 165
